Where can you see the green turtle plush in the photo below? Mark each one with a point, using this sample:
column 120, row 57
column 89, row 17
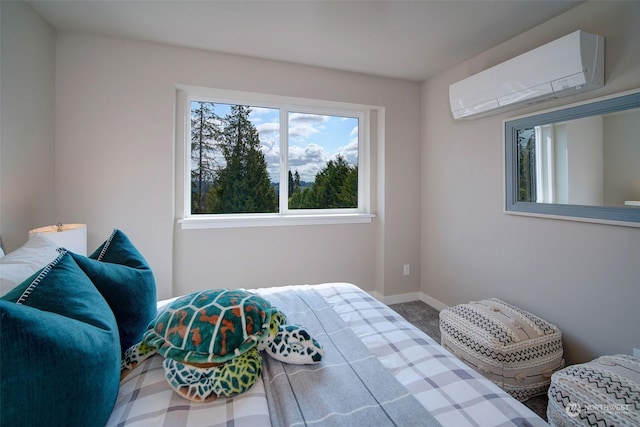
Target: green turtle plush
column 211, row 341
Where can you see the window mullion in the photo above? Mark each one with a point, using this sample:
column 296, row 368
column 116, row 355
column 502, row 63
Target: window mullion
column 284, row 160
column 363, row 161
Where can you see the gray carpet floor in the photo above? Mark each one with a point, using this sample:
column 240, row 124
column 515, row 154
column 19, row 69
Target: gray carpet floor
column 427, row 319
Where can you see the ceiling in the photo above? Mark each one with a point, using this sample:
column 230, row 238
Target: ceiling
column 410, row 40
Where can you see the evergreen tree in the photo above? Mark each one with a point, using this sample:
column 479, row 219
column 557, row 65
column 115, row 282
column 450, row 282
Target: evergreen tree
column 292, row 187
column 335, row 186
column 243, row 184
column 204, row 132
column 301, row 199
column 349, row 188
column 527, row 169
column 294, row 183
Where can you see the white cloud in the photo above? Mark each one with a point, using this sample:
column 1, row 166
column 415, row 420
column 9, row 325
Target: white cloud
column 307, row 153
column 310, row 153
column 273, row 164
column 349, row 152
column 260, row 111
column 308, row 161
column 268, row 129
column 269, row 134
column 307, row 118
column 302, row 126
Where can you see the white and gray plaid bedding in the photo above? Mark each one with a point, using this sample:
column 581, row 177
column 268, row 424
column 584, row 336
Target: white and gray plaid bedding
column 349, row 388
column 453, row 393
column 145, row 399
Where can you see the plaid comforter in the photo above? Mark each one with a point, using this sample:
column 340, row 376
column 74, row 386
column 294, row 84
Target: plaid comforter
column 453, row 393
column 350, row 387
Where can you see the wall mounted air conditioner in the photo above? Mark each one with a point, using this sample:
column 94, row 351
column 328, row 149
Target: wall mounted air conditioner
column 571, row 64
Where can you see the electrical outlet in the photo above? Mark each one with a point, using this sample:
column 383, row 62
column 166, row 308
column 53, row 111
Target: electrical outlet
column 636, row 352
column 406, row 269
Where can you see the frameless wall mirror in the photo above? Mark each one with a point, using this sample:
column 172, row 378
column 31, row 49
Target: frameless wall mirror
column 580, row 162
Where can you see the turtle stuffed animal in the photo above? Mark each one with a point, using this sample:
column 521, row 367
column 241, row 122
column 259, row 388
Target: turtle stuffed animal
column 211, row 341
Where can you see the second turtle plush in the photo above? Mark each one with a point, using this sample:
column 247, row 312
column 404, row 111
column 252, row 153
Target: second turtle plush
column 211, row 341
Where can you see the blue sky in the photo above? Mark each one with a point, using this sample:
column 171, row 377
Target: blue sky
column 313, row 139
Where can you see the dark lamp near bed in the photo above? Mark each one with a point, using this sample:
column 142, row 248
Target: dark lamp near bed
column 70, row 236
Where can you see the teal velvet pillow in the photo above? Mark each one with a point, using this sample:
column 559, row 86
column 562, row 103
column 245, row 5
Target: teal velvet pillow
column 126, row 281
column 59, row 352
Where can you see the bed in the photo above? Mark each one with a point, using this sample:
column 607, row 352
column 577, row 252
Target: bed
column 378, row 369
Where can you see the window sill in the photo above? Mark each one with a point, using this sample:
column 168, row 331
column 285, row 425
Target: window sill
column 233, row 221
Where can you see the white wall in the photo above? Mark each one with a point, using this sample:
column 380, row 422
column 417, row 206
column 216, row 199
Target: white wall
column 585, row 166
column 583, row 277
column 621, row 169
column 115, row 159
column 26, row 123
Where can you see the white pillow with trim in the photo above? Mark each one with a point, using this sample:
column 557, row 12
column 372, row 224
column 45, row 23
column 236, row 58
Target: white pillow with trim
column 18, row 265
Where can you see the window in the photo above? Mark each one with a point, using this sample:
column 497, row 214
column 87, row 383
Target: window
column 251, row 157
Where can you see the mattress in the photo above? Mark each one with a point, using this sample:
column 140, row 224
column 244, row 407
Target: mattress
column 449, row 392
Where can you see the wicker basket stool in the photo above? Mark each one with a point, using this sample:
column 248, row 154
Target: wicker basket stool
column 513, row 348
column 603, row 392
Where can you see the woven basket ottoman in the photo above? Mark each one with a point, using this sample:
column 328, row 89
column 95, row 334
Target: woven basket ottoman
column 513, row 348
column 603, row 392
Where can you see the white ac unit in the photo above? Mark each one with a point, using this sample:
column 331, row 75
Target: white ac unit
column 571, row 64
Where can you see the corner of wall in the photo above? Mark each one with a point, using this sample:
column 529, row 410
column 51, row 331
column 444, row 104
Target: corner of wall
column 27, row 72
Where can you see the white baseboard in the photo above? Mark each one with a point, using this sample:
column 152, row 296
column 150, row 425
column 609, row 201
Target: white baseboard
column 432, row 302
column 397, row 299
column 411, row 296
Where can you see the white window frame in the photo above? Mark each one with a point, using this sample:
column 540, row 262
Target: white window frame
column 286, row 105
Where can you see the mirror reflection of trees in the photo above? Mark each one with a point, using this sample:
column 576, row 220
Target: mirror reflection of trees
column 526, row 165
column 579, row 162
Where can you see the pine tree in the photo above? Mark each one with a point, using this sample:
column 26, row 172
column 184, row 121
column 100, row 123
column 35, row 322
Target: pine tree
column 243, row 184
column 335, row 187
column 204, row 132
column 292, row 187
column 294, row 183
column 526, row 169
